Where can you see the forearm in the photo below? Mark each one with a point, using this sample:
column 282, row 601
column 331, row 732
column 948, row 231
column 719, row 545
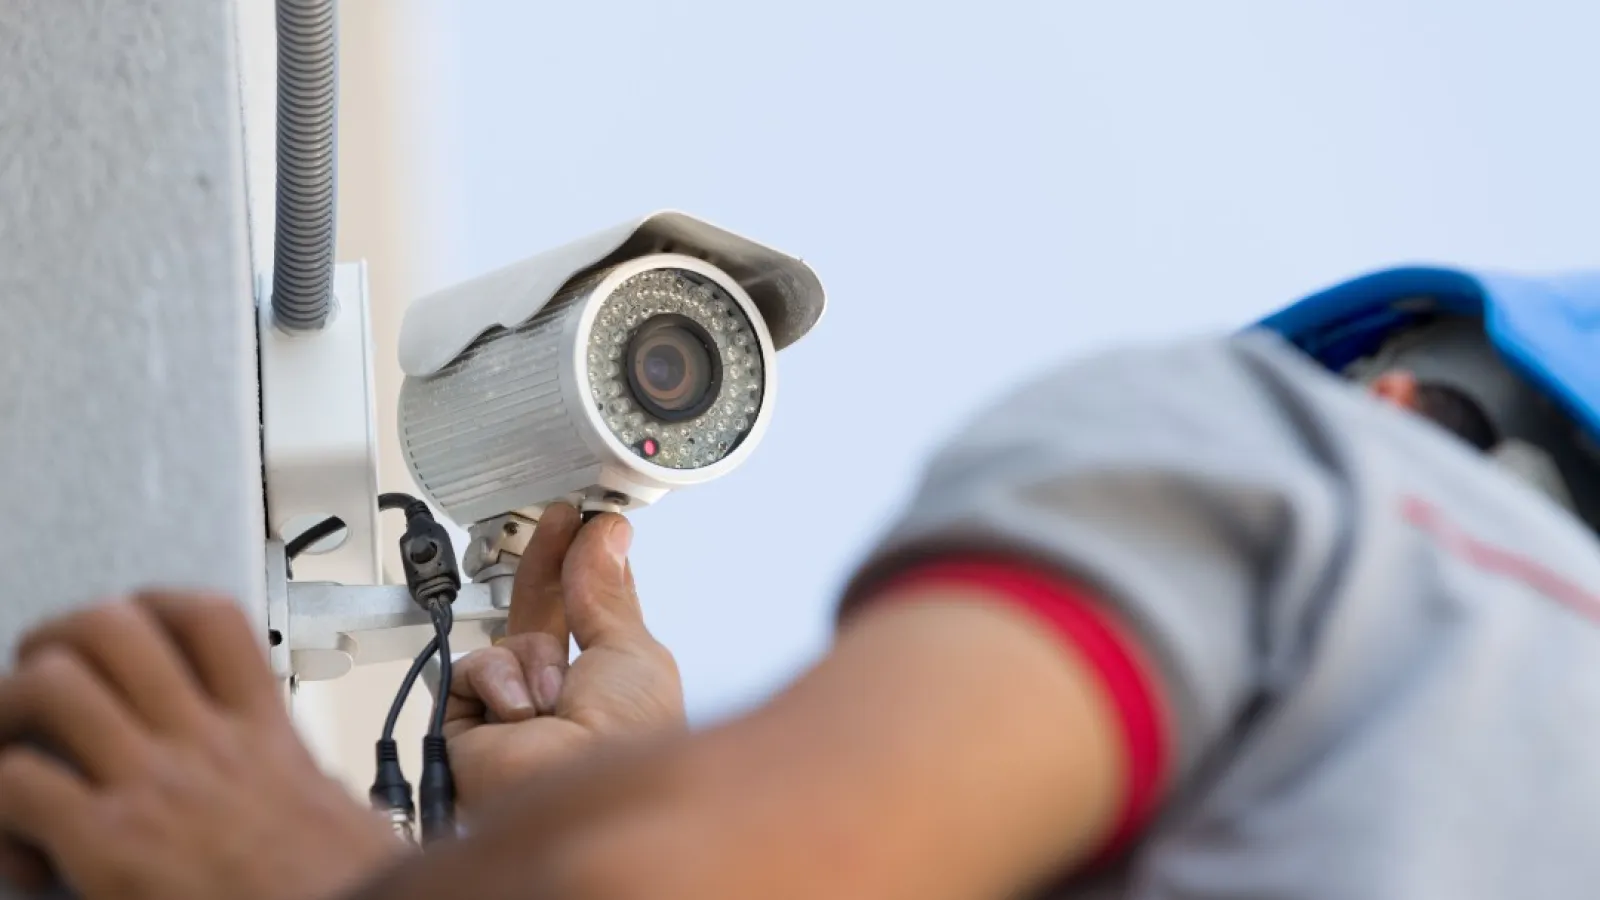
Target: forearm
column 939, row 752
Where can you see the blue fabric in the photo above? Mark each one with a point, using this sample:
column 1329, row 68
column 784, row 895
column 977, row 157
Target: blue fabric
column 1547, row 327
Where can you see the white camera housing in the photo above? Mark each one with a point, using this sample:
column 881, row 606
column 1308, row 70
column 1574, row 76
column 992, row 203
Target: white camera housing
column 513, row 399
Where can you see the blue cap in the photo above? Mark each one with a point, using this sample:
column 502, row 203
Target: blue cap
column 1547, row 328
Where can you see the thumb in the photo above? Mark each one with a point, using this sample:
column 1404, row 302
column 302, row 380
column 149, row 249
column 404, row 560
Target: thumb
column 537, row 606
column 601, row 605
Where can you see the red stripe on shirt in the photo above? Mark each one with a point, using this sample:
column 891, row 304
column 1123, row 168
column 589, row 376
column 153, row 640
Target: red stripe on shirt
column 1118, row 660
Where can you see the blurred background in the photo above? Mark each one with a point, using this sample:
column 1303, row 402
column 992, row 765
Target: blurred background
column 985, row 190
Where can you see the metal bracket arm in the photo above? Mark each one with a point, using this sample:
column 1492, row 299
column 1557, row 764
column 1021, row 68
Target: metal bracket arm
column 334, row 627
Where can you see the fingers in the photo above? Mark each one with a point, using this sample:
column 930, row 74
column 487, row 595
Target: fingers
column 42, row 804
column 536, row 601
column 489, row 684
column 132, row 653
column 597, row 582
column 56, row 698
column 543, row 660
column 514, row 680
column 216, row 637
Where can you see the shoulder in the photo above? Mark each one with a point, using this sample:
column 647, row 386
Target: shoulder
column 1147, row 505
column 1201, row 402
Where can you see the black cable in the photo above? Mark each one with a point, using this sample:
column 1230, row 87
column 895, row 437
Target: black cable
column 399, row 501
column 309, row 538
column 433, row 580
column 436, row 791
column 330, row 526
column 443, row 621
column 390, row 791
column 406, row 684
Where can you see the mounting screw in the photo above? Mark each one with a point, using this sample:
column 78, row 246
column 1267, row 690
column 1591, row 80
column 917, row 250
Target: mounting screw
column 423, row 552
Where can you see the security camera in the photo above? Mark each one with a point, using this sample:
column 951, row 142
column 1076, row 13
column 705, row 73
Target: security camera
column 605, row 373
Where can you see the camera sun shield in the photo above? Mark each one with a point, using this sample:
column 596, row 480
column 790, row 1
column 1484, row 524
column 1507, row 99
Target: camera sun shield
column 439, row 327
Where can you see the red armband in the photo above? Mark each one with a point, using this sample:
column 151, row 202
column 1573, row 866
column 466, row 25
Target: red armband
column 1082, row 622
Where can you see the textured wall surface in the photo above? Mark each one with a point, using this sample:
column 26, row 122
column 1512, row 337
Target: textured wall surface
column 129, row 449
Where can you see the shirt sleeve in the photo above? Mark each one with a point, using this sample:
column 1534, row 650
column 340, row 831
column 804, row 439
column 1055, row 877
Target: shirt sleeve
column 1159, row 511
column 1117, row 659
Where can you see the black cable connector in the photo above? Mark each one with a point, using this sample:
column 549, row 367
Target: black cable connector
column 429, row 559
column 391, row 792
column 436, row 791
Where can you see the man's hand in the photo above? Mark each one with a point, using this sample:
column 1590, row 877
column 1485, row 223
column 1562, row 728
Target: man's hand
column 949, row 747
column 517, row 708
column 179, row 772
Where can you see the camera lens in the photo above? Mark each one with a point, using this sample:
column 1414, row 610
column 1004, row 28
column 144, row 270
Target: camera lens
column 677, row 367
column 674, row 370
column 666, row 372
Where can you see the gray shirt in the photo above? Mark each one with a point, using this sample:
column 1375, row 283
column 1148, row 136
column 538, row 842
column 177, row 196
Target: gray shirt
column 1381, row 651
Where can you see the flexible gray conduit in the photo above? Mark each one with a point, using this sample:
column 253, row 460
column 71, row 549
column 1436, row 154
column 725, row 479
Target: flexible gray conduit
column 308, row 78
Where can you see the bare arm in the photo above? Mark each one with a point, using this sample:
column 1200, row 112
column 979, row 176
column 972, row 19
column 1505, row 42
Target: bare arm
column 949, row 746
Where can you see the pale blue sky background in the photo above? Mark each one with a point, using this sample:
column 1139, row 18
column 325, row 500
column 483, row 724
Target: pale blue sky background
column 986, row 189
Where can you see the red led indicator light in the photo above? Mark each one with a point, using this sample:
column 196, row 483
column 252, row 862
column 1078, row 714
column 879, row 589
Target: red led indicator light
column 649, row 447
